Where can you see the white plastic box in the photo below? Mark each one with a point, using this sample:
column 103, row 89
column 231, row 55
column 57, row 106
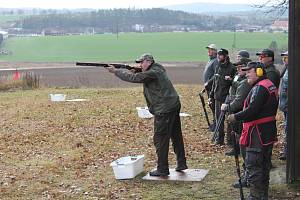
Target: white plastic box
column 58, row 97
column 143, row 112
column 128, row 167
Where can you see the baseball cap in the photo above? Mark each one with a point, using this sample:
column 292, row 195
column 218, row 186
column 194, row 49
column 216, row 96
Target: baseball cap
column 145, row 56
column 243, row 61
column 223, row 52
column 285, row 53
column 254, row 65
column 212, row 46
column 243, row 53
column 266, row 52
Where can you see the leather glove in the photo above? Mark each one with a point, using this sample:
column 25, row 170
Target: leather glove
column 231, row 118
column 224, row 107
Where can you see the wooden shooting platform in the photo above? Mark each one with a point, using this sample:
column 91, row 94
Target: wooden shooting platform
column 193, row 175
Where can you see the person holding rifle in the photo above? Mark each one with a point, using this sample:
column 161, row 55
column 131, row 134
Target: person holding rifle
column 283, row 102
column 163, row 102
column 259, row 128
column 208, row 74
column 222, row 80
column 238, row 93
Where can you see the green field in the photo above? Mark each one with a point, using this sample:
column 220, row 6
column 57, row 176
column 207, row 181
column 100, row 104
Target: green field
column 8, row 18
column 181, row 46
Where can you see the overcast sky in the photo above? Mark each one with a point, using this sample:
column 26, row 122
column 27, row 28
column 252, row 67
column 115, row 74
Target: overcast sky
column 108, row 3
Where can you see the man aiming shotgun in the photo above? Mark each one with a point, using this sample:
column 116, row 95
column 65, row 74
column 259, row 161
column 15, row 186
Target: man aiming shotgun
column 164, row 103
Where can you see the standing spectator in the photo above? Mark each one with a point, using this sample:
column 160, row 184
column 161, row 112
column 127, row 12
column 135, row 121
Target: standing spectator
column 240, row 76
column 259, row 128
column 238, row 93
column 210, row 67
column 222, row 81
column 283, row 103
column 242, row 54
column 163, row 102
column 208, row 74
column 266, row 56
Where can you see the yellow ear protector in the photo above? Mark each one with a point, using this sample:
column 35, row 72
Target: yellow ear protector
column 259, row 69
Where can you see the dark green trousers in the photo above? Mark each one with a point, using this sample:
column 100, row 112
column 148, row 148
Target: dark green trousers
column 168, row 126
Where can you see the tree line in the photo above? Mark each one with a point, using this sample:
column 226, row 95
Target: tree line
column 124, row 20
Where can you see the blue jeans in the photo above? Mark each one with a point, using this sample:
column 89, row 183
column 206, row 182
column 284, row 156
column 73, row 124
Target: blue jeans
column 285, row 132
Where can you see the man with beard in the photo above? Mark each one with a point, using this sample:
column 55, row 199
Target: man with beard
column 222, row 80
column 259, row 128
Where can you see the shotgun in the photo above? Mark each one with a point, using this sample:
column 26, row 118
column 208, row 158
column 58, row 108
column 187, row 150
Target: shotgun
column 116, row 65
column 203, row 106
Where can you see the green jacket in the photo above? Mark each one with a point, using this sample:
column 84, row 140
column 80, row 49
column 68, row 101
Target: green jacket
column 160, row 95
column 239, row 91
column 273, row 74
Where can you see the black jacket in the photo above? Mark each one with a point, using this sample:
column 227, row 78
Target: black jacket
column 220, row 86
column 273, row 74
column 260, row 105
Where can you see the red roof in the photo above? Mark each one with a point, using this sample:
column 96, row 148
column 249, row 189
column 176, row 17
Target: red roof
column 281, row 24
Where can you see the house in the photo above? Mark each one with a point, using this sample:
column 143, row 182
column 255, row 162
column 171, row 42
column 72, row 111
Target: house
column 280, row 26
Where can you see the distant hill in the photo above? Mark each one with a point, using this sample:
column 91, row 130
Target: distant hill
column 211, row 8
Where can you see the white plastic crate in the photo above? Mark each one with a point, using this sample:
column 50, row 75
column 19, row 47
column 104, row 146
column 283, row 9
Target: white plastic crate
column 143, row 112
column 58, row 97
column 128, row 167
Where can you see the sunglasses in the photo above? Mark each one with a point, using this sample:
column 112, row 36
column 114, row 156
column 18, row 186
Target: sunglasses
column 263, row 56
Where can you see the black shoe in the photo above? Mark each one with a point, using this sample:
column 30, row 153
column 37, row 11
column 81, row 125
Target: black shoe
column 219, row 142
column 282, row 157
column 237, row 184
column 158, row 173
column 212, row 127
column 181, row 168
column 231, row 153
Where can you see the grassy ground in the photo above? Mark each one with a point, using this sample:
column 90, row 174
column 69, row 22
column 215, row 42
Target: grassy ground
column 107, row 47
column 63, row 150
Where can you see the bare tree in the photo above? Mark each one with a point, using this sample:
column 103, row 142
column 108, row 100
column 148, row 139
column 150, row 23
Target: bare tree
column 276, row 8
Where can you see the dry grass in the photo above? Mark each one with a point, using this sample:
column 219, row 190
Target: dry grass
column 63, row 150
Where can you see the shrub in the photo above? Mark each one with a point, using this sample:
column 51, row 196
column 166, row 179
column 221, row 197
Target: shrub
column 25, row 81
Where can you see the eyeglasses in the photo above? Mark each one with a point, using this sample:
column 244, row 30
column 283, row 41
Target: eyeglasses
column 284, row 57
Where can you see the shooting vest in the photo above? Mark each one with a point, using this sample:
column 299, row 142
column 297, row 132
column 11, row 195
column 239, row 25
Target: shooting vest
column 248, row 127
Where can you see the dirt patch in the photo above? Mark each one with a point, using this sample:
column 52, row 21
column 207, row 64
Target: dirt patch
column 66, row 74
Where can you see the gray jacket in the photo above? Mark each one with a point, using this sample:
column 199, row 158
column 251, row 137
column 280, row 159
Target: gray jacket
column 160, row 95
column 209, row 70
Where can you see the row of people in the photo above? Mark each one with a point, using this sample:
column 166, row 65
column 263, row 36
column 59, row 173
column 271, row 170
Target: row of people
column 252, row 106
column 258, row 113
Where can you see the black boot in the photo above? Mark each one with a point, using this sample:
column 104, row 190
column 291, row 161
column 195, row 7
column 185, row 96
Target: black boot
column 181, row 167
column 244, row 183
column 159, row 173
column 231, row 153
column 219, row 140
